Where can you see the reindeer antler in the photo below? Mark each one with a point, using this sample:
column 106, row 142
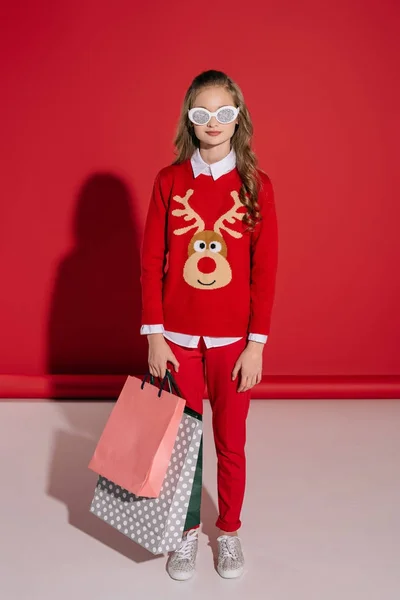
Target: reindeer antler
column 230, row 216
column 187, row 213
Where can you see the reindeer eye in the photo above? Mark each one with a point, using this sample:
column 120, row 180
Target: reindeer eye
column 199, row 246
column 215, row 247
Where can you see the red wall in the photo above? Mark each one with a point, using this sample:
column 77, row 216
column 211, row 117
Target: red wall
column 90, row 99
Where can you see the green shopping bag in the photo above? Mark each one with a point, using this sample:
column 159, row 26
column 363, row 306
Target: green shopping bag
column 193, row 514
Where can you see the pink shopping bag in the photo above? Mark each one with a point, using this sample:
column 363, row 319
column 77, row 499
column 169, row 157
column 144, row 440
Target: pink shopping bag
column 135, row 447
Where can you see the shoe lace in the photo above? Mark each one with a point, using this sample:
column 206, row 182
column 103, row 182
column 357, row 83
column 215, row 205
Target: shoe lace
column 187, row 545
column 229, row 548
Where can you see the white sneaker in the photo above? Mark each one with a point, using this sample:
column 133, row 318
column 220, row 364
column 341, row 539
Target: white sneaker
column 230, row 556
column 181, row 563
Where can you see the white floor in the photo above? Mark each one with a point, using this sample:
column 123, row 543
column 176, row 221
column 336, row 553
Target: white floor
column 321, row 518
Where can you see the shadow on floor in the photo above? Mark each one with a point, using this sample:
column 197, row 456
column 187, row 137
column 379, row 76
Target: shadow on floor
column 71, row 482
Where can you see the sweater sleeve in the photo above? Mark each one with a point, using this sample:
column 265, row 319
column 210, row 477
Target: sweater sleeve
column 264, row 261
column 154, row 254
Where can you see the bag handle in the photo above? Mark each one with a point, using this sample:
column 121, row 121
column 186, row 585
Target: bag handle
column 172, row 382
column 168, row 378
column 162, row 384
column 148, row 374
column 165, row 379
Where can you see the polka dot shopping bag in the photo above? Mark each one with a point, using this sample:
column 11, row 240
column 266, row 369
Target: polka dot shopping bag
column 157, row 523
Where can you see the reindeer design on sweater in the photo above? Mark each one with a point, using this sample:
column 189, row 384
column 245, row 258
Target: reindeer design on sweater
column 207, row 266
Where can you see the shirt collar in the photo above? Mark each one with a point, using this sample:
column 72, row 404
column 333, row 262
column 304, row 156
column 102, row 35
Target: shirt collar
column 216, row 169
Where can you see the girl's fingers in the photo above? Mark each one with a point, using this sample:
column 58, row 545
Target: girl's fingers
column 235, row 370
column 174, row 361
column 157, row 372
column 248, row 382
column 243, row 383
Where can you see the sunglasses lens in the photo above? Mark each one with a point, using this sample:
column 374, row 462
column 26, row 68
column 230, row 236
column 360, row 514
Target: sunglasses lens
column 200, row 117
column 226, row 115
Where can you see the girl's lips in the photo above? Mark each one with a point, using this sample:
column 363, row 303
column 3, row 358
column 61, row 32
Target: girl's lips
column 213, row 132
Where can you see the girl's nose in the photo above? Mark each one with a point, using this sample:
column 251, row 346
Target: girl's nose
column 212, row 122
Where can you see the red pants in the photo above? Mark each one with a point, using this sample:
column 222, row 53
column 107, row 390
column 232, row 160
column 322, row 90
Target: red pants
column 229, row 412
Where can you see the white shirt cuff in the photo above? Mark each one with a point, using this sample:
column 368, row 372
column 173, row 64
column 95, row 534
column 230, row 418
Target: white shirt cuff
column 258, row 337
column 148, row 329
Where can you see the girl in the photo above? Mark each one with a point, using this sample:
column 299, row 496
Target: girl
column 208, row 270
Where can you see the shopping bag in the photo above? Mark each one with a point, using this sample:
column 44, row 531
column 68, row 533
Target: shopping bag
column 193, row 512
column 135, row 446
column 157, row 524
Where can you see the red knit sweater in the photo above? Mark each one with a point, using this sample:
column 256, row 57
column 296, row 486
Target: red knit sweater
column 201, row 272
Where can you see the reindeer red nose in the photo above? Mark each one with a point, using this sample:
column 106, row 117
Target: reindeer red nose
column 206, row 265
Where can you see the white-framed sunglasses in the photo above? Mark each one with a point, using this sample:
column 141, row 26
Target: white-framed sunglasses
column 224, row 115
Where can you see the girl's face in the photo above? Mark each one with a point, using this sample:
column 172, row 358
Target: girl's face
column 213, row 98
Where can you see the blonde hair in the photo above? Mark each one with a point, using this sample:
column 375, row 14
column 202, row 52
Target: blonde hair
column 186, row 141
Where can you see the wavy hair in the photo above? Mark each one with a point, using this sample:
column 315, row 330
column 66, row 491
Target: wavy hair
column 186, row 142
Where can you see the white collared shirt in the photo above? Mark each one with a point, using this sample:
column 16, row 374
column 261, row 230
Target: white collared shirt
column 215, row 170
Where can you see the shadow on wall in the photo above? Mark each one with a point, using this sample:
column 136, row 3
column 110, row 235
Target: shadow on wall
column 94, row 328
column 94, row 321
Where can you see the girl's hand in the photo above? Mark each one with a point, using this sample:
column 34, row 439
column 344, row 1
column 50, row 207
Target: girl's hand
column 250, row 364
column 159, row 354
